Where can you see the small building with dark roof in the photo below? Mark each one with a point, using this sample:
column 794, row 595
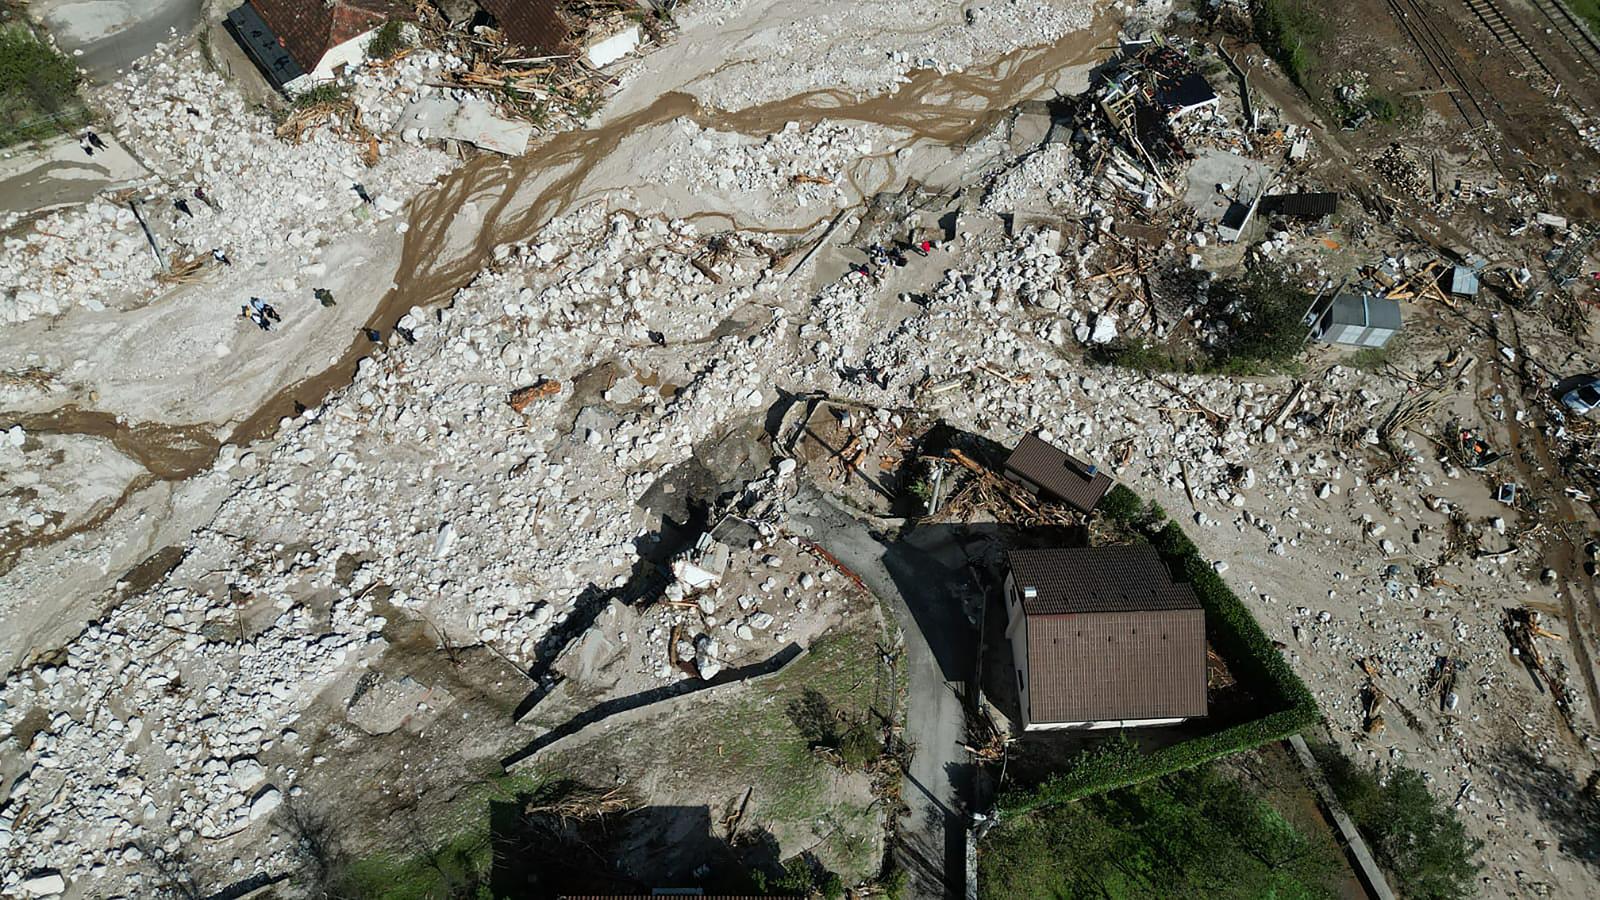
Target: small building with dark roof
column 1051, row 473
column 1103, row 637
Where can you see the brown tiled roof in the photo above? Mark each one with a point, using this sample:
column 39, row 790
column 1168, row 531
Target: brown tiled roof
column 1097, row 667
column 310, row 28
column 531, row 24
column 1057, row 473
column 1130, row 578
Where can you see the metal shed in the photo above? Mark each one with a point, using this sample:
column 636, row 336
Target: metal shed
column 1357, row 320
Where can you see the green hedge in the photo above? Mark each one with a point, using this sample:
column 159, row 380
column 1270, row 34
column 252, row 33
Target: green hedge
column 1234, row 632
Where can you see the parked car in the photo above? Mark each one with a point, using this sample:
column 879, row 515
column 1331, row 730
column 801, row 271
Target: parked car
column 1584, row 397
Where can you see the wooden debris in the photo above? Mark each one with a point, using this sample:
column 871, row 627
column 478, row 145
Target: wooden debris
column 521, row 397
column 803, row 178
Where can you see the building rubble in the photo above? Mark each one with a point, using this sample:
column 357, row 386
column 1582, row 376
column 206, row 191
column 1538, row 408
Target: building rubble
column 512, row 474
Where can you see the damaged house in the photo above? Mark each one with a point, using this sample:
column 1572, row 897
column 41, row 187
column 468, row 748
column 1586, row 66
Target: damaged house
column 298, row 44
column 1102, row 637
column 1053, row 474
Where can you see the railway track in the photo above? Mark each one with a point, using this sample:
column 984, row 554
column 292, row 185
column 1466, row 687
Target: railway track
column 1509, row 36
column 1417, row 23
column 1577, row 35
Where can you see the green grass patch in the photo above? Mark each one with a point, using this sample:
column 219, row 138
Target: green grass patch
column 456, row 863
column 1419, row 838
column 1587, row 10
column 390, row 39
column 38, row 88
column 1197, row 834
column 1286, row 705
column 1290, row 31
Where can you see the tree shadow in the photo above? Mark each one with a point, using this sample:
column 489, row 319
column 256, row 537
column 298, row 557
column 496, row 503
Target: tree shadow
column 1569, row 809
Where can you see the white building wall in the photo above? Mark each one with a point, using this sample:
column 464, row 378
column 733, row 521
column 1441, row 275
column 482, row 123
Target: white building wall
column 349, row 54
column 1017, row 631
column 1090, row 726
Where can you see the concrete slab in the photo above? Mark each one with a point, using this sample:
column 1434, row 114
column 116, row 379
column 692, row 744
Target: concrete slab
column 104, row 36
column 1243, row 178
column 60, row 174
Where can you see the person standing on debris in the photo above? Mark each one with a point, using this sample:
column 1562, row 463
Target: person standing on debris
column 95, row 140
column 324, row 296
column 200, row 194
column 183, row 207
column 922, row 247
column 373, row 335
column 83, row 141
column 362, row 193
column 219, row 256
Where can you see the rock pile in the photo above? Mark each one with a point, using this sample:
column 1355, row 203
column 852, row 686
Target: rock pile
column 263, row 199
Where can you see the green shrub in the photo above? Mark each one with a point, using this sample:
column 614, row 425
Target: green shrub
column 38, row 88
column 859, row 746
column 1419, row 839
column 389, row 40
column 1120, row 504
column 327, row 92
column 1289, row 30
column 1265, row 313
column 1198, row 834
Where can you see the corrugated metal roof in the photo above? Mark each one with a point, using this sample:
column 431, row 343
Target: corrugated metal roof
column 1047, row 467
column 1311, row 206
column 1096, row 579
column 1098, row 667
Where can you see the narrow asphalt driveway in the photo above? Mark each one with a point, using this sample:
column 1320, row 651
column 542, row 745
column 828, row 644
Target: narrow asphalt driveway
column 923, row 579
column 104, row 36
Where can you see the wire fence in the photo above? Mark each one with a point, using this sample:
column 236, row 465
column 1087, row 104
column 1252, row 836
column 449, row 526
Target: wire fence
column 39, row 128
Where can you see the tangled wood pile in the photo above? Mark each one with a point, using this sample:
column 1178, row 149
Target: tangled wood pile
column 984, row 494
column 35, row 377
column 552, row 91
column 581, row 803
column 1522, row 626
column 183, row 271
column 342, row 115
column 522, row 397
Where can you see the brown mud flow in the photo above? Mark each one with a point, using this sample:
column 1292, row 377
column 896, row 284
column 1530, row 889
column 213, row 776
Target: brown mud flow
column 949, row 108
column 169, row 452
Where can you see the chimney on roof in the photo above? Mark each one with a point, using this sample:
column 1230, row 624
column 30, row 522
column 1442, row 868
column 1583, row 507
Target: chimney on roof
column 1030, row 593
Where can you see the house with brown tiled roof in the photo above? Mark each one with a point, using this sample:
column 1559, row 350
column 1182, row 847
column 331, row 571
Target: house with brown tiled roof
column 301, row 43
column 1103, row 637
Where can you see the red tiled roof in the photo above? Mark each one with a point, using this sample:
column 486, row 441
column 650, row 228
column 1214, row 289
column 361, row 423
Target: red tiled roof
column 532, row 24
column 1052, row 471
column 308, row 29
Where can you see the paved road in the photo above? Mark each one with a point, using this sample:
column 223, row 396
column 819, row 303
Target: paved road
column 921, row 578
column 104, row 36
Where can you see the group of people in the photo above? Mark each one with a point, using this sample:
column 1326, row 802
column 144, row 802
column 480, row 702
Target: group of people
column 90, row 142
column 261, row 313
column 880, row 258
